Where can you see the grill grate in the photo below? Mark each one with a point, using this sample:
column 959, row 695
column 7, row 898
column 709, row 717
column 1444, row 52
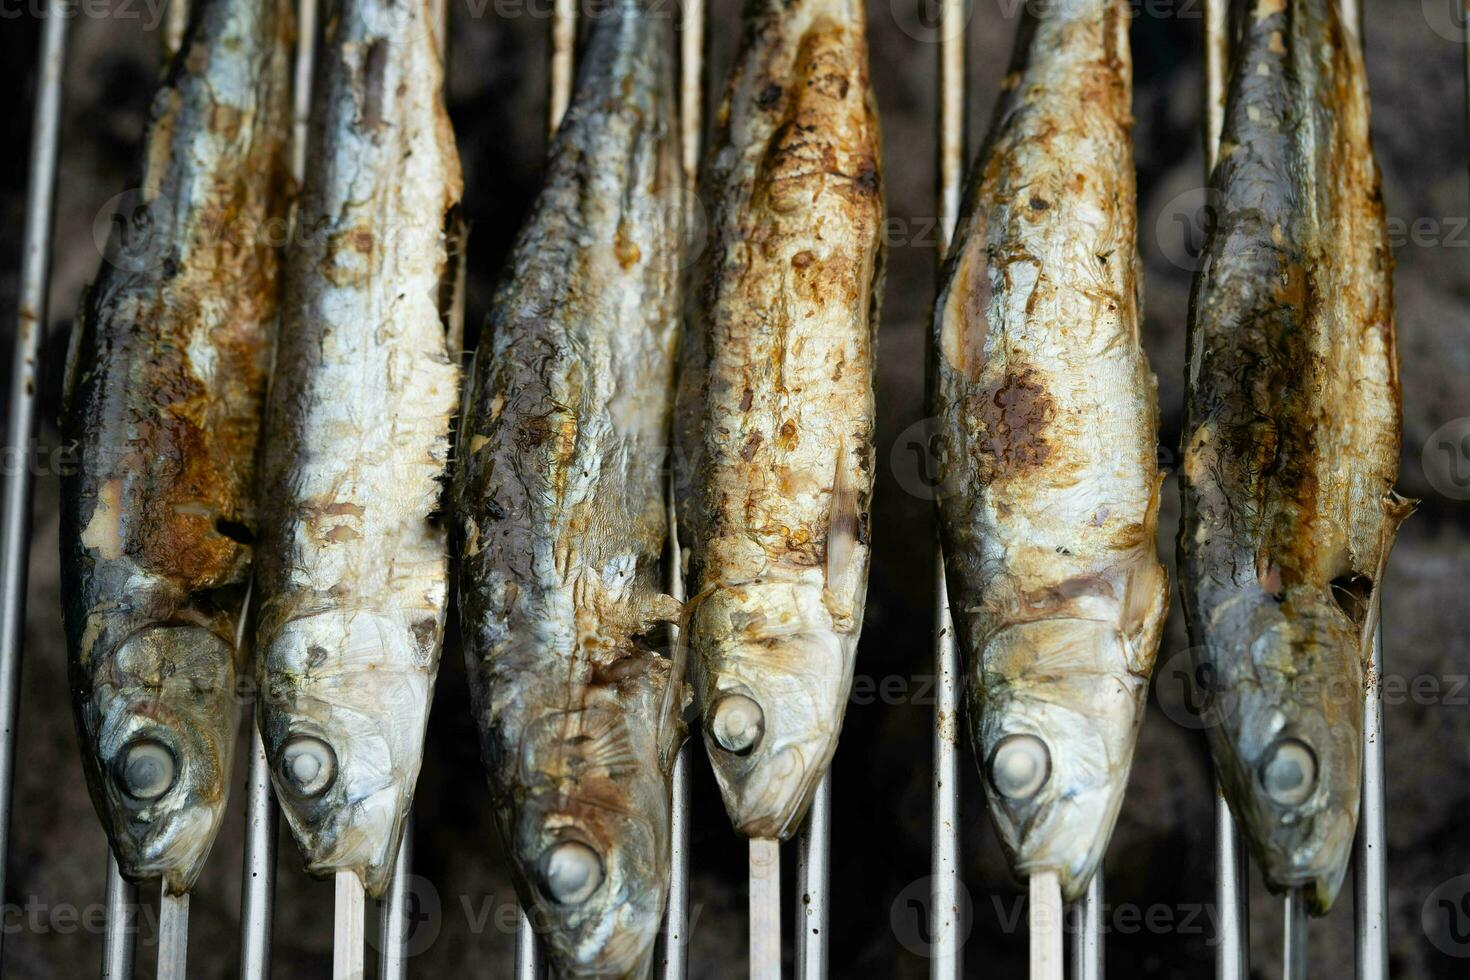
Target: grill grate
column 813, row 852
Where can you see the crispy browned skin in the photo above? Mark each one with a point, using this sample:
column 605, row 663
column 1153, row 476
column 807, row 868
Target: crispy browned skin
column 776, row 411
column 165, row 382
column 1047, row 428
column 1291, row 441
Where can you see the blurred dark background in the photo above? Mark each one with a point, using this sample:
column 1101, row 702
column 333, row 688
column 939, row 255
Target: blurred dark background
column 1159, row 869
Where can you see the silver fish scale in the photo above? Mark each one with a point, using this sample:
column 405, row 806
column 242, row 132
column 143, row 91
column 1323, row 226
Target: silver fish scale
column 561, row 515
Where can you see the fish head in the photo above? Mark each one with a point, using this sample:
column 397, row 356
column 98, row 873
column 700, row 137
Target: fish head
column 773, row 673
column 591, row 839
column 344, row 704
column 162, row 722
column 1284, row 705
column 1055, row 710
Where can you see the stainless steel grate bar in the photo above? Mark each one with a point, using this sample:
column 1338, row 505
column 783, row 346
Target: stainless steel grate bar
column 1294, row 936
column 393, row 934
column 122, row 920
column 30, row 330
column 1232, row 878
column 813, row 873
column 945, row 909
column 528, row 949
column 1370, row 857
column 1087, row 961
column 258, row 876
column 1232, row 898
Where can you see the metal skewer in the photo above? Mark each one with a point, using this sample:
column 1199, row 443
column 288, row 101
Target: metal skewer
column 173, row 935
column 1045, row 921
column 563, row 51
column 122, row 917
column 947, row 951
column 15, row 512
column 765, row 909
column 175, row 26
column 347, row 927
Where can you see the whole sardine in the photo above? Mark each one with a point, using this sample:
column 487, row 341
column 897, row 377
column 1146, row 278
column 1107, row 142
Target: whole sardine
column 775, row 411
column 353, row 570
column 1291, row 441
column 561, row 513
column 1047, row 431
column 165, row 381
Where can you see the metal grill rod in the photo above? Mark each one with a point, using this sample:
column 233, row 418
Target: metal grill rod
column 1370, row 857
column 945, row 914
column 1232, row 880
column 813, row 872
column 1087, row 941
column 1294, row 933
column 258, row 876
column 15, row 512
column 393, row 934
column 262, row 819
column 674, row 964
column 122, row 917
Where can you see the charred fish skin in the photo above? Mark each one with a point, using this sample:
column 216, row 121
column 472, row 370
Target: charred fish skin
column 353, row 570
column 561, row 519
column 1291, row 442
column 165, row 380
column 775, row 412
column 1047, row 424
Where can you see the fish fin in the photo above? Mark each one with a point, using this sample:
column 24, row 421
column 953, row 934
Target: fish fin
column 1396, row 509
column 74, row 348
column 676, row 694
column 452, row 283
column 844, row 525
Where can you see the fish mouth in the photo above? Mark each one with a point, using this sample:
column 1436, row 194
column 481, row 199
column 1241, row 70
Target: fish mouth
column 1056, row 713
column 1285, row 729
column 594, row 879
column 341, row 821
column 160, row 824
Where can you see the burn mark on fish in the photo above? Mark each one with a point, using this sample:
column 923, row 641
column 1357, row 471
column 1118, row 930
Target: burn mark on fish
column 1012, row 418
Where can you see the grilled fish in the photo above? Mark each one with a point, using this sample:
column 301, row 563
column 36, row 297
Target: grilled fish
column 1291, row 441
column 165, row 380
column 561, row 513
column 775, row 406
column 353, row 569
column 1047, row 430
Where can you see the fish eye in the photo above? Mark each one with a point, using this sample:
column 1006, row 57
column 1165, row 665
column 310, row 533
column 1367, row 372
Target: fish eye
column 308, row 765
column 1289, row 772
column 571, row 872
column 1020, row 766
column 737, row 723
column 146, row 769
